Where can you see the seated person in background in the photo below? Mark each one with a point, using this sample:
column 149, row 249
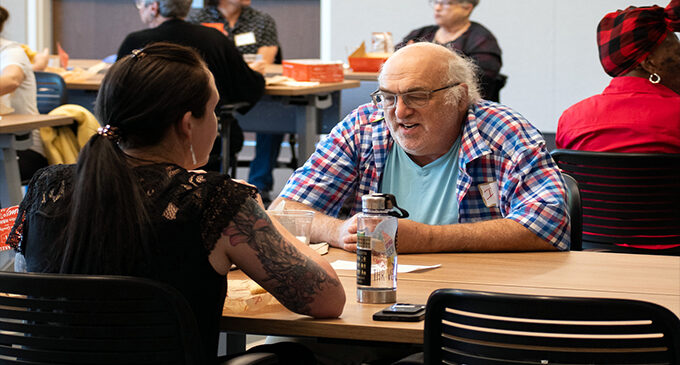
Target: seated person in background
column 455, row 30
column 640, row 109
column 235, row 81
column 161, row 219
column 18, row 91
column 475, row 175
column 254, row 32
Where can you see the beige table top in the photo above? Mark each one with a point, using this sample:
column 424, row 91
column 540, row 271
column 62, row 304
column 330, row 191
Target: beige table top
column 92, row 82
column 15, row 123
column 585, row 274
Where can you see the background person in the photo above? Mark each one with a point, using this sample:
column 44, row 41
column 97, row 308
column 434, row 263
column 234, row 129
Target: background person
column 454, row 29
column 161, row 219
column 639, row 112
column 253, row 32
column 235, row 81
column 18, row 91
column 473, row 174
column 640, row 109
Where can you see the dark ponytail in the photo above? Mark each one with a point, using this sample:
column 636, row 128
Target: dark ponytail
column 141, row 97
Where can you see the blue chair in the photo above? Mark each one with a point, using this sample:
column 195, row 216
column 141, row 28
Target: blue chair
column 51, row 91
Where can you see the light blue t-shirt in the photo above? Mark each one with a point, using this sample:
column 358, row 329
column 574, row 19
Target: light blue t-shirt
column 428, row 193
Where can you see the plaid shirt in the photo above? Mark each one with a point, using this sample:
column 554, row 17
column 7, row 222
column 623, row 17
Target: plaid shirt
column 261, row 24
column 497, row 145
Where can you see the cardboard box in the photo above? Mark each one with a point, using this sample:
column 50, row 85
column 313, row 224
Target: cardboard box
column 313, row 70
column 361, row 61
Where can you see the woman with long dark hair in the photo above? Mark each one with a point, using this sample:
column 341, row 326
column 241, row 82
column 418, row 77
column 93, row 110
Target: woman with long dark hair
column 133, row 206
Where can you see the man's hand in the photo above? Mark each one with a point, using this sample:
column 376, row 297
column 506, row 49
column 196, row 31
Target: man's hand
column 258, row 66
column 346, row 235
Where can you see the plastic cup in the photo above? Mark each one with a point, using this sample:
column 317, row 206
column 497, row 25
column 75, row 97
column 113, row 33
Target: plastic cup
column 297, row 222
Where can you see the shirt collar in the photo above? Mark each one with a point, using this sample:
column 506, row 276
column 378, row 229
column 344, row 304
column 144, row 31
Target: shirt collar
column 627, row 84
column 473, row 145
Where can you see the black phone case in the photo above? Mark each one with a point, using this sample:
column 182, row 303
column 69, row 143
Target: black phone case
column 399, row 317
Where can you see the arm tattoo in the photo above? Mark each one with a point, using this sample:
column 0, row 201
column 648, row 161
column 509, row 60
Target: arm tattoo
column 298, row 278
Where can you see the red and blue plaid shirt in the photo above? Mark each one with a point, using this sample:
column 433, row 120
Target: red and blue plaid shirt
column 498, row 145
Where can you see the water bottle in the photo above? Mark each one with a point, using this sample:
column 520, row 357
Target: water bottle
column 376, row 249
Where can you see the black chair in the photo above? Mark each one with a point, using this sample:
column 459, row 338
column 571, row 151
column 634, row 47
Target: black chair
column 491, row 87
column 626, row 198
column 575, row 213
column 83, row 319
column 470, row 327
column 51, row 91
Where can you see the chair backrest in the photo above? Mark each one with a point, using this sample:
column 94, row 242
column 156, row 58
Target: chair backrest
column 575, row 212
column 470, row 327
column 626, row 198
column 81, row 319
column 51, row 91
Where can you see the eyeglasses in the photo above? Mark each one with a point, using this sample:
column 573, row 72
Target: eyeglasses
column 443, row 3
column 412, row 99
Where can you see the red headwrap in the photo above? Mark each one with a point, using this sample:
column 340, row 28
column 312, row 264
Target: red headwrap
column 626, row 37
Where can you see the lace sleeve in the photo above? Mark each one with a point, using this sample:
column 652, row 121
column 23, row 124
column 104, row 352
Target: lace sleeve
column 47, row 183
column 221, row 205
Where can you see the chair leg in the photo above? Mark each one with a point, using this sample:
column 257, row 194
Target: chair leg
column 292, row 140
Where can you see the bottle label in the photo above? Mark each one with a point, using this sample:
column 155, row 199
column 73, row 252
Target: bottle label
column 364, row 267
column 363, row 260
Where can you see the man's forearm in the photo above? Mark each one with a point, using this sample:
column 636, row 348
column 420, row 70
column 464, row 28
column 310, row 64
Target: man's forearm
column 324, row 227
column 493, row 235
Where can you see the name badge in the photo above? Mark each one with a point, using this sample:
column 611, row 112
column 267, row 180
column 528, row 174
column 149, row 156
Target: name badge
column 489, row 193
column 244, row 39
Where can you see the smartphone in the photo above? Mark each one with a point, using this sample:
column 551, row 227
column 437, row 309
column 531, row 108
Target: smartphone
column 401, row 312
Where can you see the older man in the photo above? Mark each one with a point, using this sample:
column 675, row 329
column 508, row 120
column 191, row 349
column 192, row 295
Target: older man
column 474, row 174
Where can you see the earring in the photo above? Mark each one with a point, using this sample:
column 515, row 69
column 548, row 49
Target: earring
column 654, row 78
column 193, row 155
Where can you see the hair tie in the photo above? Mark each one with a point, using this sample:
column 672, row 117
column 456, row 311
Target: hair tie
column 138, row 53
column 109, row 132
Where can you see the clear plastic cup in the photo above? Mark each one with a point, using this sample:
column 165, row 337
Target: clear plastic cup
column 297, row 222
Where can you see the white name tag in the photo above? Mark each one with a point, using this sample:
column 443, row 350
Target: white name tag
column 244, row 39
column 489, row 193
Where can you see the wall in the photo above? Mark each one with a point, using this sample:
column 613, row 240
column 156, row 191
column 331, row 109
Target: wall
column 549, row 48
column 96, row 28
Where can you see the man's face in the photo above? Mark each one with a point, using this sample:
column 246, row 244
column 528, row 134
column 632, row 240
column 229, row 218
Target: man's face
column 449, row 12
column 147, row 11
column 237, row 3
column 428, row 132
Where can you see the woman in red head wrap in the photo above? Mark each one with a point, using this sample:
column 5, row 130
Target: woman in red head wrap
column 640, row 109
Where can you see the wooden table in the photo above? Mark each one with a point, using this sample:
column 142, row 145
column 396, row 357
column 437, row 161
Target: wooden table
column 10, row 181
column 582, row 274
column 283, row 109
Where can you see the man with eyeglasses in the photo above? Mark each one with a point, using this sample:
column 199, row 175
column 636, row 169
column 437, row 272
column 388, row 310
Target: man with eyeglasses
column 454, row 29
column 475, row 175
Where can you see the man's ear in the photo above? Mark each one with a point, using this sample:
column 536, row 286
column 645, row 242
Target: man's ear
column 155, row 8
column 463, row 102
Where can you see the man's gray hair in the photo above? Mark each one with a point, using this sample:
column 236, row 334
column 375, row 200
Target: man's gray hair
column 463, row 70
column 172, row 8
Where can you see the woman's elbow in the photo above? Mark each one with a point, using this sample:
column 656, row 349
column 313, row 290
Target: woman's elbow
column 331, row 304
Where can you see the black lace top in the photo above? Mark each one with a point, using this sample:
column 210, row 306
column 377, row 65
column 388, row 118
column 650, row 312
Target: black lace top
column 188, row 212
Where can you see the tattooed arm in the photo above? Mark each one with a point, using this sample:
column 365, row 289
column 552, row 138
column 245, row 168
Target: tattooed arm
column 295, row 274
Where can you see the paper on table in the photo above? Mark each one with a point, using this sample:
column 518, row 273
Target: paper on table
column 280, row 80
column 352, row 265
